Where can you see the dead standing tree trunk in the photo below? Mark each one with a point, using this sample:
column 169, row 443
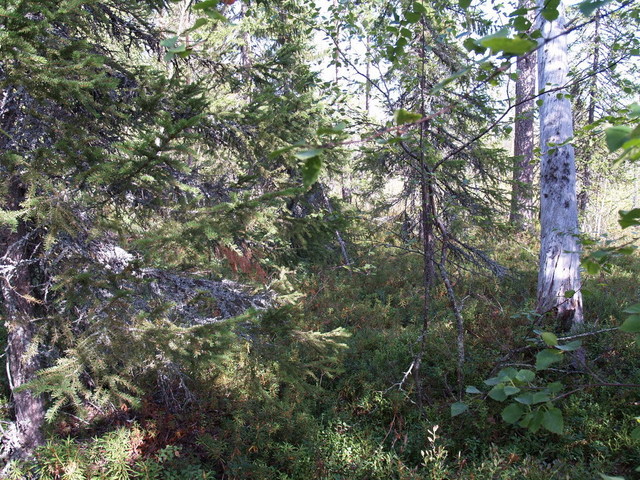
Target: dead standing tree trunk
column 559, row 275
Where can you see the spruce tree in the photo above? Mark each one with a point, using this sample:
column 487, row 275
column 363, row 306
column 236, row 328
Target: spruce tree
column 86, row 136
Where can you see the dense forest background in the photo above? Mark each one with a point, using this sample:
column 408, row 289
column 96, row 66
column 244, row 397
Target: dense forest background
column 246, row 239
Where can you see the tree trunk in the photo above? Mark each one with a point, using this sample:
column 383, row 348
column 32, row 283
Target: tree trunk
column 367, row 83
column 19, row 309
column 583, row 198
column 17, row 248
column 521, row 214
column 427, row 207
column 341, row 242
column 559, row 275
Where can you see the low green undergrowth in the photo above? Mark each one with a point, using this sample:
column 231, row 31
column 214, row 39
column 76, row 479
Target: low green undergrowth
column 324, row 390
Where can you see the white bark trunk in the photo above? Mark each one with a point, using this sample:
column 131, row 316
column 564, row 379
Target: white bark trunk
column 559, row 246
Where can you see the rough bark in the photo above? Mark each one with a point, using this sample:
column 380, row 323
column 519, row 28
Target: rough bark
column 521, row 213
column 457, row 312
column 427, row 207
column 19, row 310
column 341, row 242
column 314, row 200
column 18, row 247
column 583, row 197
column 559, row 273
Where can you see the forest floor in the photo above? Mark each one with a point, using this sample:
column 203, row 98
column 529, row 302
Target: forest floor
column 342, row 406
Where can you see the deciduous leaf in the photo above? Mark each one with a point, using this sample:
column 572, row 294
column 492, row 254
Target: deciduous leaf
column 419, row 7
column 540, row 397
column 526, row 419
column 200, row 22
column 555, row 387
column 512, row 413
column 216, row 15
column 571, row 346
column 307, row 154
column 519, row 11
column 511, row 390
column 403, row 116
column 532, row 421
column 616, row 136
column 590, row 266
column 333, row 130
column 502, row 33
column 631, row 324
column 526, row 376
column 552, row 420
column 472, row 45
column 178, row 48
column 549, row 338
column 629, row 218
column 510, row 46
column 632, row 309
column 311, row 167
column 521, row 24
column 169, row 42
column 440, row 85
column 507, row 374
column 550, row 11
column 472, row 389
column 498, row 393
column 547, row 357
column 589, row 6
column 464, row 3
column 412, row 17
column 391, row 140
column 458, row 408
column 525, row 398
column 205, row 5
column 280, row 151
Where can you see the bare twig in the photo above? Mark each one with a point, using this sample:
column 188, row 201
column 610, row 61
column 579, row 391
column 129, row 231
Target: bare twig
column 401, row 129
column 579, row 388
